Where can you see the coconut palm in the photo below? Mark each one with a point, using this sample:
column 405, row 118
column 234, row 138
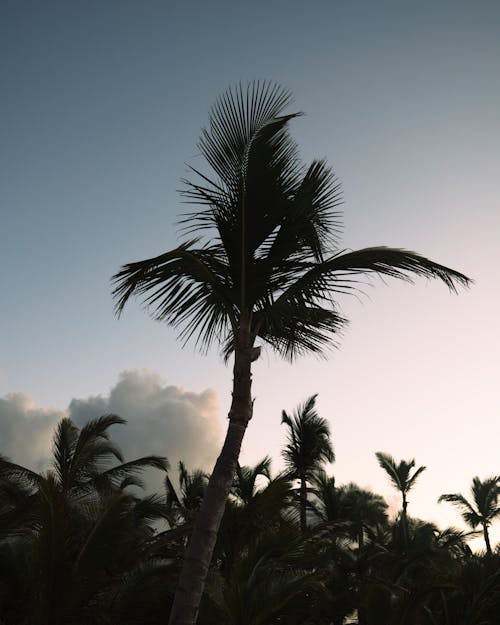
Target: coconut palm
column 183, row 504
column 82, row 466
column 246, row 520
column 363, row 509
column 74, row 530
column 403, row 480
column 400, row 474
column 308, row 446
column 244, row 486
column 268, row 576
column 266, row 270
column 484, row 508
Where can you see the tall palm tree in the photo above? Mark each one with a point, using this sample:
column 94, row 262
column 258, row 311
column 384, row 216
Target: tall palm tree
column 267, row 270
column 308, row 445
column 403, row 480
column 484, row 508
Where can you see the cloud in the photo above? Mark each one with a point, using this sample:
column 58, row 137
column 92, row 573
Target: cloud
column 163, row 420
column 26, row 430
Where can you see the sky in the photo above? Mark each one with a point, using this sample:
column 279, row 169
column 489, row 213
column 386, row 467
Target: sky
column 101, row 108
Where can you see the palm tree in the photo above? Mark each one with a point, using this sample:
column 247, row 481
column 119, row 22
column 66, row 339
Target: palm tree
column 76, row 529
column 184, row 504
column 484, row 509
column 269, row 575
column 244, row 485
column 308, row 445
column 363, row 509
column 403, row 480
column 246, row 519
column 267, row 271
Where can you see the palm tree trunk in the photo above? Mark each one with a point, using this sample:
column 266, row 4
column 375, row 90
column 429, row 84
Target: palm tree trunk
column 359, row 571
column 199, row 552
column 404, row 521
column 303, row 504
column 487, row 538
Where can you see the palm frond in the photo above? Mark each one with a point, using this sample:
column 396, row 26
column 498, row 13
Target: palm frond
column 308, row 439
column 461, row 502
column 24, row 477
column 128, row 471
column 387, row 462
column 188, row 288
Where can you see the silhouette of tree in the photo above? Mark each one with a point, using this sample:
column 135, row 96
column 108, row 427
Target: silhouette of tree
column 402, row 479
column 80, row 527
column 308, row 445
column 268, row 271
column 485, row 507
column 245, row 481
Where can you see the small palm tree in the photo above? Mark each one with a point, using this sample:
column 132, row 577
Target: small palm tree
column 267, row 271
column 308, row 446
column 363, row 509
column 184, row 505
column 250, row 514
column 244, row 486
column 484, row 508
column 403, row 480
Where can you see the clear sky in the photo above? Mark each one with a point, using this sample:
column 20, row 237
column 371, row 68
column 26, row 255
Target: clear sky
column 101, row 106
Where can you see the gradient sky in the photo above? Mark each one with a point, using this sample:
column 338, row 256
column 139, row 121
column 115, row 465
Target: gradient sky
column 101, row 107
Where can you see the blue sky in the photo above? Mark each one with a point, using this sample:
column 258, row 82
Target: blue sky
column 101, row 107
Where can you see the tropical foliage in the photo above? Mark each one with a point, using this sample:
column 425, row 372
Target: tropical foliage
column 485, row 507
column 81, row 544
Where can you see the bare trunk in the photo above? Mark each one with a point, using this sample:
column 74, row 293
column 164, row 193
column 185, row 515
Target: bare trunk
column 361, row 583
column 303, row 504
column 487, row 539
column 404, row 521
column 199, row 552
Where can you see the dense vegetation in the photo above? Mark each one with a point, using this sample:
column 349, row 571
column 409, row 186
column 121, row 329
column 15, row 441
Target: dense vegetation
column 81, row 544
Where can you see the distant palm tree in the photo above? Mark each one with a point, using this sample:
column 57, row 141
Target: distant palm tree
column 267, row 578
column 245, row 481
column 268, row 270
column 308, row 446
column 403, row 480
column 250, row 514
column 363, row 509
column 485, row 507
column 185, row 503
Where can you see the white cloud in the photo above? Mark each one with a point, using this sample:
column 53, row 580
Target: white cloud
column 163, row 420
column 26, row 430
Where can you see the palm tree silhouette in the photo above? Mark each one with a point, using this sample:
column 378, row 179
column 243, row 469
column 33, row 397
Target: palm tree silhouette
column 484, row 509
column 308, row 445
column 184, row 504
column 402, row 479
column 244, row 486
column 267, row 271
column 363, row 509
column 77, row 528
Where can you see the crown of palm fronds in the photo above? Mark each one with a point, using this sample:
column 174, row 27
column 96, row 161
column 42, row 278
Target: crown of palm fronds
column 267, row 231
